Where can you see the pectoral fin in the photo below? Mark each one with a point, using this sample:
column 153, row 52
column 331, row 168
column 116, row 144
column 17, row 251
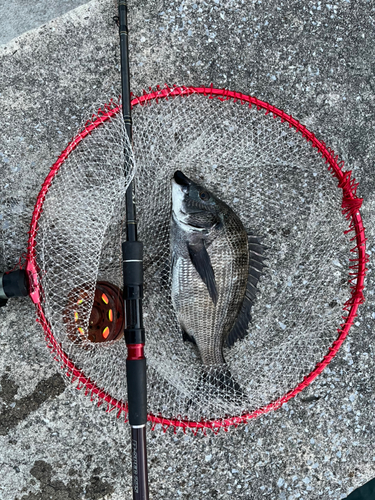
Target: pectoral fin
column 202, row 263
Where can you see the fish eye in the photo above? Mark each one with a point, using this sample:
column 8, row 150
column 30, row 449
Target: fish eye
column 203, row 195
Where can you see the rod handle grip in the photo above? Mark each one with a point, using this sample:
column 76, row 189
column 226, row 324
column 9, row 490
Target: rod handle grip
column 137, row 391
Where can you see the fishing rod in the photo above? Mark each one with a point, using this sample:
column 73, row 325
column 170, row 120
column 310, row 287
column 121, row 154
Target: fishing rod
column 132, row 252
column 16, row 283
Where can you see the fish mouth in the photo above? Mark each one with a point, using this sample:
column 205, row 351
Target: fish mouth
column 182, row 180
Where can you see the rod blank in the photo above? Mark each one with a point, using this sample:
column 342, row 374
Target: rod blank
column 132, row 252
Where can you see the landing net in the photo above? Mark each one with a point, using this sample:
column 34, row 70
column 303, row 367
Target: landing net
column 287, row 188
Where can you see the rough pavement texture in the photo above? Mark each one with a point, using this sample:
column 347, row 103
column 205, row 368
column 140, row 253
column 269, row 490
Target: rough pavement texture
column 19, row 16
column 312, row 59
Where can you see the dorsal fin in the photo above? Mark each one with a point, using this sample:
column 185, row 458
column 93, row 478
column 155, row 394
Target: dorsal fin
column 256, row 258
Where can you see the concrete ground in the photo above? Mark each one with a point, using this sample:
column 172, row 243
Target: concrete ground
column 312, row 59
column 17, row 16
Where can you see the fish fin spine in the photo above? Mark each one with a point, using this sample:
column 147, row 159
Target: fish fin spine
column 256, row 266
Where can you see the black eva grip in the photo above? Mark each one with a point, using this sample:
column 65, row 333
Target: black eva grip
column 137, row 391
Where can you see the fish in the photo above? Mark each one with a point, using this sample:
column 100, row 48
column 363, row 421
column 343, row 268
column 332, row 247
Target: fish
column 215, row 269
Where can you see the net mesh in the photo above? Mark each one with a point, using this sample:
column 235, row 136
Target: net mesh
column 281, row 190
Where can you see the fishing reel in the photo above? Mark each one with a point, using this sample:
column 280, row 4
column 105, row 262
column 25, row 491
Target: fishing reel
column 107, row 318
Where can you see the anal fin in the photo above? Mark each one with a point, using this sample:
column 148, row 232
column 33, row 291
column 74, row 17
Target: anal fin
column 188, row 338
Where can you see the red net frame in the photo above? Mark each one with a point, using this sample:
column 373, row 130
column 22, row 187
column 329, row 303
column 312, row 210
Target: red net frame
column 350, row 209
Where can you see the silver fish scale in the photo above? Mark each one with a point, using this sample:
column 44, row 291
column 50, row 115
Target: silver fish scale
column 208, row 323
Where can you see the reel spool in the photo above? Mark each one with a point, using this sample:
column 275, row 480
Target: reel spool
column 107, row 320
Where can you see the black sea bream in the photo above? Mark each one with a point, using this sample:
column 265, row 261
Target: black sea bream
column 215, row 269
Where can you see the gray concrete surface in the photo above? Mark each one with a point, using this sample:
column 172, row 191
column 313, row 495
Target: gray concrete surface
column 314, row 60
column 19, row 16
